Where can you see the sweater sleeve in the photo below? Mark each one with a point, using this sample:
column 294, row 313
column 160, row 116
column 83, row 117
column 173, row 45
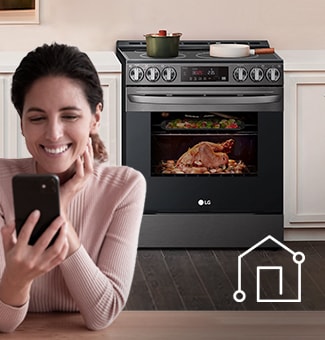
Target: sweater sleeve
column 10, row 317
column 101, row 289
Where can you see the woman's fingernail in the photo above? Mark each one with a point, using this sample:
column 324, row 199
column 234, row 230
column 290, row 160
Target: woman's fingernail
column 36, row 213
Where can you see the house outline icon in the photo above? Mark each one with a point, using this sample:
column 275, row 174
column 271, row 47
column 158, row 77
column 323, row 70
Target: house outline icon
column 297, row 257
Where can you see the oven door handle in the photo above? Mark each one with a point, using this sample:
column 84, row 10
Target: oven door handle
column 203, row 100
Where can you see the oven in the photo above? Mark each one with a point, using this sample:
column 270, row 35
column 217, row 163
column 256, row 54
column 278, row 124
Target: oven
column 207, row 134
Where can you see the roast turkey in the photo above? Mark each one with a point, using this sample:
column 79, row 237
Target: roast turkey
column 206, row 155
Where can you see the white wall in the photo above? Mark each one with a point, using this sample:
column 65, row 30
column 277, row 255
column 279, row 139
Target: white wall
column 97, row 24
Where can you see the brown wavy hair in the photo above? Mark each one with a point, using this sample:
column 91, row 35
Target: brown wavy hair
column 60, row 60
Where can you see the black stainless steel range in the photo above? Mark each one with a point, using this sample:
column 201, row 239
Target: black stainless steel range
column 207, row 133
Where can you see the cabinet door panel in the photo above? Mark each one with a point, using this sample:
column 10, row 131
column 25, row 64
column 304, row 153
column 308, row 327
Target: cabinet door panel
column 305, row 150
column 12, row 143
column 110, row 117
column 311, row 150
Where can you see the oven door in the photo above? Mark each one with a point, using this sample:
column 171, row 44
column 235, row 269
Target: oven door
column 206, row 150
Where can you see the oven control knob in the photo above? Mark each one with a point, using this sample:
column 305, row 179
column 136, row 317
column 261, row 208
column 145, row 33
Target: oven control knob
column 136, row 74
column 256, row 74
column 169, row 74
column 273, row 74
column 240, row 74
column 152, row 74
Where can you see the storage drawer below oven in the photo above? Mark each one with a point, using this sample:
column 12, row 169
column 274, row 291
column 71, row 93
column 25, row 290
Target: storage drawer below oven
column 208, row 230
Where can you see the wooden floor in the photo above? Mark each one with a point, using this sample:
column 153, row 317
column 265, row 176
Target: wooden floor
column 187, row 279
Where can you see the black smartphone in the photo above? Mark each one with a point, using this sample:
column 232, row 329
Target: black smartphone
column 33, row 192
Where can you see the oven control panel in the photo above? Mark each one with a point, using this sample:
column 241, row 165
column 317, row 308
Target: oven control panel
column 270, row 74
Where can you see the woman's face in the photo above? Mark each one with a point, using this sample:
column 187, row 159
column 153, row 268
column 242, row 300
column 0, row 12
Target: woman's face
column 56, row 123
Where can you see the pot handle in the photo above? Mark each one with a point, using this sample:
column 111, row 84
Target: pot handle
column 262, row 51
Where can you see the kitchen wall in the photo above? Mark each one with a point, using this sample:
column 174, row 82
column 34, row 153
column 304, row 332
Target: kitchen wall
column 97, row 24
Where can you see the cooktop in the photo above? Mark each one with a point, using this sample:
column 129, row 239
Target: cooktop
column 193, row 50
column 195, row 66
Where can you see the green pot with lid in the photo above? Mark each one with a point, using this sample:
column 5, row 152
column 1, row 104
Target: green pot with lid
column 162, row 45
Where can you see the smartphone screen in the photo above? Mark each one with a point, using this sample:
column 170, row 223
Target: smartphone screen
column 33, row 192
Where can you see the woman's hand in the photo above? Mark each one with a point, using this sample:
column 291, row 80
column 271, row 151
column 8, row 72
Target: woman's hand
column 24, row 263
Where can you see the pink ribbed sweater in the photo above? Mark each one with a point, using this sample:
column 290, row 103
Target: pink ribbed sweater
column 96, row 279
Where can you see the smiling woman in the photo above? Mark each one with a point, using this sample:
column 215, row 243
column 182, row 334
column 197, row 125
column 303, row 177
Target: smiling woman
column 19, row 11
column 89, row 268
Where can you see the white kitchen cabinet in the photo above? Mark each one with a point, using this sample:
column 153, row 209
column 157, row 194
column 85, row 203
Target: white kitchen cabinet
column 12, row 144
column 110, row 123
column 304, row 145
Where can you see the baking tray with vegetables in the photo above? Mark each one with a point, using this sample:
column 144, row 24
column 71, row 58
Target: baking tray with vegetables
column 203, row 123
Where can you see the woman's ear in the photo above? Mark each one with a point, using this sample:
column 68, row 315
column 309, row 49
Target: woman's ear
column 96, row 119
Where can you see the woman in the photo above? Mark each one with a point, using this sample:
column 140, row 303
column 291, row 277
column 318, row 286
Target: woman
column 90, row 267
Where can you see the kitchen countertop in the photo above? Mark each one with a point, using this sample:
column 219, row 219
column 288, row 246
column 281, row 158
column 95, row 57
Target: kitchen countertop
column 105, row 61
column 303, row 60
column 179, row 325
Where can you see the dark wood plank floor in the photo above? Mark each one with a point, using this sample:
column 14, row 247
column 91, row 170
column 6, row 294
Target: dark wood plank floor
column 205, row 279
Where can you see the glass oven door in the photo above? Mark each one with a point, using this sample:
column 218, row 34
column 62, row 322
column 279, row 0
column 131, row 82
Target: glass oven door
column 208, row 171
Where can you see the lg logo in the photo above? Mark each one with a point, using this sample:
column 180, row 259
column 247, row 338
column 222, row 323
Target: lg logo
column 201, row 202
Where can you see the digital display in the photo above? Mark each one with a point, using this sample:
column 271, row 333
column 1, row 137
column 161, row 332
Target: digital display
column 198, row 72
column 204, row 73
